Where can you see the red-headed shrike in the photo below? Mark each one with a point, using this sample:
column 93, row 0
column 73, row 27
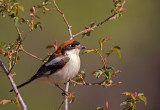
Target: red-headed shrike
column 63, row 65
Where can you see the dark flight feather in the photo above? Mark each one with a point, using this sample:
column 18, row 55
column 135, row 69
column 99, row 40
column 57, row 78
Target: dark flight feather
column 52, row 65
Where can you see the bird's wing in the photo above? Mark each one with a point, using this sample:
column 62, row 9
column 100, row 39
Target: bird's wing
column 51, row 66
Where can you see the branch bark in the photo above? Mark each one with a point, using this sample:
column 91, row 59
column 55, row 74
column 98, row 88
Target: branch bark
column 66, row 97
column 102, row 22
column 71, row 37
column 65, row 20
column 28, row 53
column 24, row 107
column 92, row 28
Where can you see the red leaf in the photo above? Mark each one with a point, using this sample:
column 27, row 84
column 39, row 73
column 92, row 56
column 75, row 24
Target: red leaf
column 49, row 46
column 5, row 101
column 107, row 106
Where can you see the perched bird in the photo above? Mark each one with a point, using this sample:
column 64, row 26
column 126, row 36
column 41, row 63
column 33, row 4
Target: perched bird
column 62, row 65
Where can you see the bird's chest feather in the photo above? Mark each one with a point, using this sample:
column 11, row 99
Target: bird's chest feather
column 69, row 71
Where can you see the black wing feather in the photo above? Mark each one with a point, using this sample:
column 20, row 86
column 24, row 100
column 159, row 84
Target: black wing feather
column 43, row 69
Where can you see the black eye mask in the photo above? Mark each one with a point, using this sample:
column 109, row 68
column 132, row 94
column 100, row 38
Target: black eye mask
column 70, row 46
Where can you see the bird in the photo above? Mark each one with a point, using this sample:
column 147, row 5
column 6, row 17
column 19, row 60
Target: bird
column 62, row 65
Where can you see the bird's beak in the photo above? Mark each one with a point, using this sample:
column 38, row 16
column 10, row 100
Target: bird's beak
column 82, row 47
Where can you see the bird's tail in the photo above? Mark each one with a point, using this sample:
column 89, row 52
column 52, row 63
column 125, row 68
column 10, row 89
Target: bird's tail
column 23, row 84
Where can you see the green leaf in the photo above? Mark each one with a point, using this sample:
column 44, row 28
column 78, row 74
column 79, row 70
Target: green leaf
column 17, row 21
column 118, row 15
column 126, row 93
column 140, row 94
column 2, row 44
column 12, row 14
column 72, row 98
column 80, row 76
column 46, row 1
column 88, row 33
column 88, row 50
column 22, row 20
column 3, row 14
column 20, row 7
column 123, row 103
column 116, row 48
column 132, row 100
column 112, row 10
column 18, row 57
column 92, row 23
column 108, row 74
column 99, row 108
column 5, row 101
column 14, row 0
column 143, row 98
column 38, row 24
column 98, row 73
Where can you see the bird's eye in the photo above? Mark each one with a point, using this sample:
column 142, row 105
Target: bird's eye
column 72, row 45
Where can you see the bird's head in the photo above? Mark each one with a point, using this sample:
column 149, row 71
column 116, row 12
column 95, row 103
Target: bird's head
column 70, row 47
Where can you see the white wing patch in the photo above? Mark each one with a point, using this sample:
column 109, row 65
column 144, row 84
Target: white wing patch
column 47, row 73
column 52, row 62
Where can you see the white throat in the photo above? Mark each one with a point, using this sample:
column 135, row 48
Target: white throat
column 72, row 52
column 70, row 70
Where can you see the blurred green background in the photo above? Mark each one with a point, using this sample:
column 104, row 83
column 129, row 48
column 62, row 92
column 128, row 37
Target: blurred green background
column 136, row 32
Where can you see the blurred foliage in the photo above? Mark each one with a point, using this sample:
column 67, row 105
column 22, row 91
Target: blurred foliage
column 14, row 101
column 108, row 72
column 12, row 7
column 11, row 50
column 99, row 108
column 132, row 100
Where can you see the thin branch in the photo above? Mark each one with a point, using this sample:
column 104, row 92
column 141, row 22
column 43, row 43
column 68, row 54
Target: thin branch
column 65, row 20
column 100, row 54
column 71, row 37
column 24, row 107
column 2, row 51
column 82, row 83
column 101, row 83
column 92, row 28
column 32, row 55
column 102, row 22
column 96, row 84
column 19, row 43
column 66, row 97
column 61, row 105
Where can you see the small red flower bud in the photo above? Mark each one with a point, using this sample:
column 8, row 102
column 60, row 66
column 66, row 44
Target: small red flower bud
column 136, row 94
column 121, row 9
column 86, row 27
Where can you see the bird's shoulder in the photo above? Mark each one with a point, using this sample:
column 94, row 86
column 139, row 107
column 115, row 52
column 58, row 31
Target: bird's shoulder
column 55, row 60
column 53, row 64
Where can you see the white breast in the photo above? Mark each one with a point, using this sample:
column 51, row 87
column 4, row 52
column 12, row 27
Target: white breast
column 69, row 71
